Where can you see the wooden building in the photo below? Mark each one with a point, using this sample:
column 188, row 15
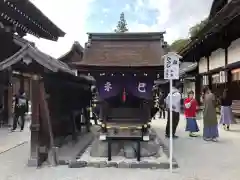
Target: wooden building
column 120, row 54
column 57, row 94
column 18, row 18
column 216, row 50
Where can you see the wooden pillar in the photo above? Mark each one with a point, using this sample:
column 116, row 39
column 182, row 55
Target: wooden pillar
column 228, row 72
column 21, row 79
column 208, row 74
column 198, row 87
column 46, row 122
column 10, row 98
column 35, row 124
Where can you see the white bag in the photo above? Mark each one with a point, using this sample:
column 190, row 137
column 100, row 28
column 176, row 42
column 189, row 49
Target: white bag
column 188, row 105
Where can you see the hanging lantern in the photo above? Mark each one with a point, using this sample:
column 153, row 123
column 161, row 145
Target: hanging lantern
column 124, row 95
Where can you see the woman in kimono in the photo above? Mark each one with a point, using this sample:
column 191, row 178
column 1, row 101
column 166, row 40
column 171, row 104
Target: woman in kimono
column 226, row 110
column 210, row 123
column 191, row 106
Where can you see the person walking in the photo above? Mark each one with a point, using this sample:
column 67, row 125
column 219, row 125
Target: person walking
column 190, row 110
column 226, row 110
column 210, row 123
column 162, row 106
column 176, row 103
column 20, row 108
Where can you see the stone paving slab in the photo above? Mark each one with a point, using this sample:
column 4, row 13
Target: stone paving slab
column 72, row 149
column 9, row 140
column 198, row 160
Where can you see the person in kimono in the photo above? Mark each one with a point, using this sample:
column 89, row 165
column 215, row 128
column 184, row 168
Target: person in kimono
column 20, row 109
column 190, row 111
column 226, row 110
column 176, row 106
column 210, row 123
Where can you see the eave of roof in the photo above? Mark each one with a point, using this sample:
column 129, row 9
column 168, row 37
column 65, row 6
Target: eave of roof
column 232, row 9
column 217, row 5
column 186, row 67
column 36, row 55
column 76, row 47
column 127, row 36
column 26, row 14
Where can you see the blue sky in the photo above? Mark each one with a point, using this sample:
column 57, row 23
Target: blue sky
column 105, row 14
column 77, row 17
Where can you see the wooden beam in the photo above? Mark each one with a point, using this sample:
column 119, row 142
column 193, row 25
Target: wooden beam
column 35, row 124
column 10, row 98
column 45, row 114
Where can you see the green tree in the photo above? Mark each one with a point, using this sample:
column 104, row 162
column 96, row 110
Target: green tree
column 179, row 44
column 122, row 24
column 193, row 31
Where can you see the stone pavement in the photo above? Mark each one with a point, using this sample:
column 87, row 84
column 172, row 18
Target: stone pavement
column 9, row 140
column 198, row 160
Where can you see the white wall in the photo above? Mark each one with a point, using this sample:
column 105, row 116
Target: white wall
column 234, row 52
column 217, row 59
column 202, row 65
column 188, row 86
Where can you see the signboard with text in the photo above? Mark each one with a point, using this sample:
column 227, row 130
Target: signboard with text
column 171, row 66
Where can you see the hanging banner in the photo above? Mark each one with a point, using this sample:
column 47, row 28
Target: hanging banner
column 141, row 88
column 108, row 87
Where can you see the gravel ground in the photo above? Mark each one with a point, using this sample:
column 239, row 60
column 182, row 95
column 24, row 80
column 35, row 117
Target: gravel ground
column 198, row 160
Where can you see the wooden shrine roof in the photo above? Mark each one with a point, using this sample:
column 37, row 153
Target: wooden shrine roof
column 217, row 5
column 27, row 17
column 215, row 25
column 75, row 54
column 29, row 52
column 123, row 49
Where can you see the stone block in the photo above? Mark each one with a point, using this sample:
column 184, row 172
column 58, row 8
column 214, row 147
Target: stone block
column 63, row 162
column 93, row 164
column 129, row 151
column 100, row 148
column 77, row 164
column 112, row 164
column 123, row 165
column 33, row 162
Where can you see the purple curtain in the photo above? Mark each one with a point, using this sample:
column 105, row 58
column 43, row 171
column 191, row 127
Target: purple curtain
column 140, row 87
column 111, row 86
column 108, row 87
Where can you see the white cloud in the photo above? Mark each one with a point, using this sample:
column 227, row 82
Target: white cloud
column 127, row 8
column 173, row 16
column 70, row 17
column 105, row 10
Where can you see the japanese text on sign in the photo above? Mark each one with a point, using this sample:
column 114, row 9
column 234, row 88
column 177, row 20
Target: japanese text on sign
column 171, row 66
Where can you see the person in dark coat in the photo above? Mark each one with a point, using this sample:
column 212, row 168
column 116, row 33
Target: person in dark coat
column 20, row 109
column 162, row 105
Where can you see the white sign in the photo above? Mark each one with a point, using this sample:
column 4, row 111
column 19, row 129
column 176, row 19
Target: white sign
column 171, row 71
column 171, row 66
